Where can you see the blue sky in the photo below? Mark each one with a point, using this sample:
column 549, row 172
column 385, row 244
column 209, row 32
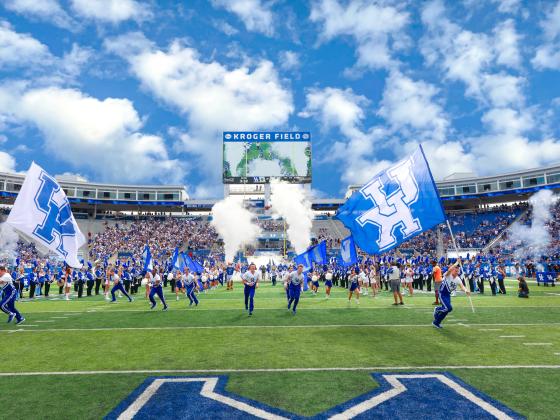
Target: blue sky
column 132, row 91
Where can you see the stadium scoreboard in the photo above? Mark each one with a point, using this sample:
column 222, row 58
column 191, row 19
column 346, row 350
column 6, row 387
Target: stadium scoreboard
column 257, row 157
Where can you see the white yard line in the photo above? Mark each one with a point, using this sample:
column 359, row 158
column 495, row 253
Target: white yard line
column 490, row 329
column 318, row 326
column 296, row 369
column 512, row 336
column 537, row 344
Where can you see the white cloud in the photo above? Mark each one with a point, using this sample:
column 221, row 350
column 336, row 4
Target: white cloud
column 503, row 89
column 47, row 10
column 508, row 6
column 508, row 121
column 19, row 50
column 506, row 44
column 113, row 11
column 551, row 22
column 547, row 56
column 224, row 27
column 85, row 132
column 212, row 97
column 22, row 51
column 377, row 28
column 255, row 14
column 342, row 110
column 7, row 163
column 289, row 60
column 409, row 104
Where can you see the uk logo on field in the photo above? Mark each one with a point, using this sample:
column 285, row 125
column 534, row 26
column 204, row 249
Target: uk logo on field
column 399, row 396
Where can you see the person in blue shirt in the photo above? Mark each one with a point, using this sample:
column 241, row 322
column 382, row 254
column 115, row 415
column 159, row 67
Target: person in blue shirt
column 251, row 281
column 90, row 280
column 98, row 278
column 448, row 285
column 9, row 297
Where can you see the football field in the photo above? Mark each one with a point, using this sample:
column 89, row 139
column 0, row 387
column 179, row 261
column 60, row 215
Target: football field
column 83, row 357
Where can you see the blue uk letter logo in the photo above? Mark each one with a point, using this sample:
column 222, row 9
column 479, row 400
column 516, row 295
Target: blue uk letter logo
column 399, row 396
column 58, row 215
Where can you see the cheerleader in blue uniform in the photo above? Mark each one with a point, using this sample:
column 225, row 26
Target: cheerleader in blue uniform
column 155, row 289
column 251, row 281
column 179, row 284
column 191, row 287
column 118, row 285
column 354, row 285
column 448, row 285
column 295, row 284
column 8, row 298
column 328, row 282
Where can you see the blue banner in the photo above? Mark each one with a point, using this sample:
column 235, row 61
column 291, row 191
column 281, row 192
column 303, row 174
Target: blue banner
column 396, row 205
column 348, row 255
column 319, row 253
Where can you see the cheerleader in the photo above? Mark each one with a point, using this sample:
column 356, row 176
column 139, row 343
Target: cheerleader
column 156, row 289
column 191, row 286
column 449, row 284
column 315, row 282
column 8, row 297
column 251, row 282
column 354, row 285
column 204, row 280
column 363, row 281
column 147, row 282
column 328, row 282
column 118, row 285
column 372, row 275
column 179, row 284
column 295, row 284
column 67, row 281
column 408, row 278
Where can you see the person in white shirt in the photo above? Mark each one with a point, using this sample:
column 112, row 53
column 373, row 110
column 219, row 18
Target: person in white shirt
column 448, row 285
column 9, row 296
column 408, row 278
column 156, row 289
column 251, row 282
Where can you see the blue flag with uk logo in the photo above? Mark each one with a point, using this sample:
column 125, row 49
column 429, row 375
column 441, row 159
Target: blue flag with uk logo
column 395, row 205
column 42, row 212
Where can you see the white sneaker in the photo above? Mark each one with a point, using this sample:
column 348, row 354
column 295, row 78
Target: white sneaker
column 357, row 302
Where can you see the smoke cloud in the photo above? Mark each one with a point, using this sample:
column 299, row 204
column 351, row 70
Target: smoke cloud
column 8, row 243
column 290, row 202
column 234, row 224
column 534, row 239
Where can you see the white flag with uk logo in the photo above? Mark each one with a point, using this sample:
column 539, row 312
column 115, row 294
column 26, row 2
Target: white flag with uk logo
column 42, row 212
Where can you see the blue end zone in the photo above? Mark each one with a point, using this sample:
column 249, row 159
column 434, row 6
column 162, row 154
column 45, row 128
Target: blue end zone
column 425, row 397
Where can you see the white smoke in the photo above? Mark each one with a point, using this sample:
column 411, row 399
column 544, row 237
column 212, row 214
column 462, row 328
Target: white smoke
column 290, row 202
column 8, row 243
column 534, row 239
column 234, row 223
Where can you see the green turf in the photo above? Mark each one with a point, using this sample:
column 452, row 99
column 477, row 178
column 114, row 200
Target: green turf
column 91, row 334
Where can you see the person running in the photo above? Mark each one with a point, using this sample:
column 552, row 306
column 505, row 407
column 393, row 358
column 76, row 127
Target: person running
column 118, row 285
column 354, row 285
column 156, row 289
column 191, row 287
column 295, row 285
column 448, row 285
column 251, row 282
column 179, row 284
column 328, row 282
column 9, row 295
column 229, row 276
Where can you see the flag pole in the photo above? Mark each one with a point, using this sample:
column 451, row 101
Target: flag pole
column 458, row 257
